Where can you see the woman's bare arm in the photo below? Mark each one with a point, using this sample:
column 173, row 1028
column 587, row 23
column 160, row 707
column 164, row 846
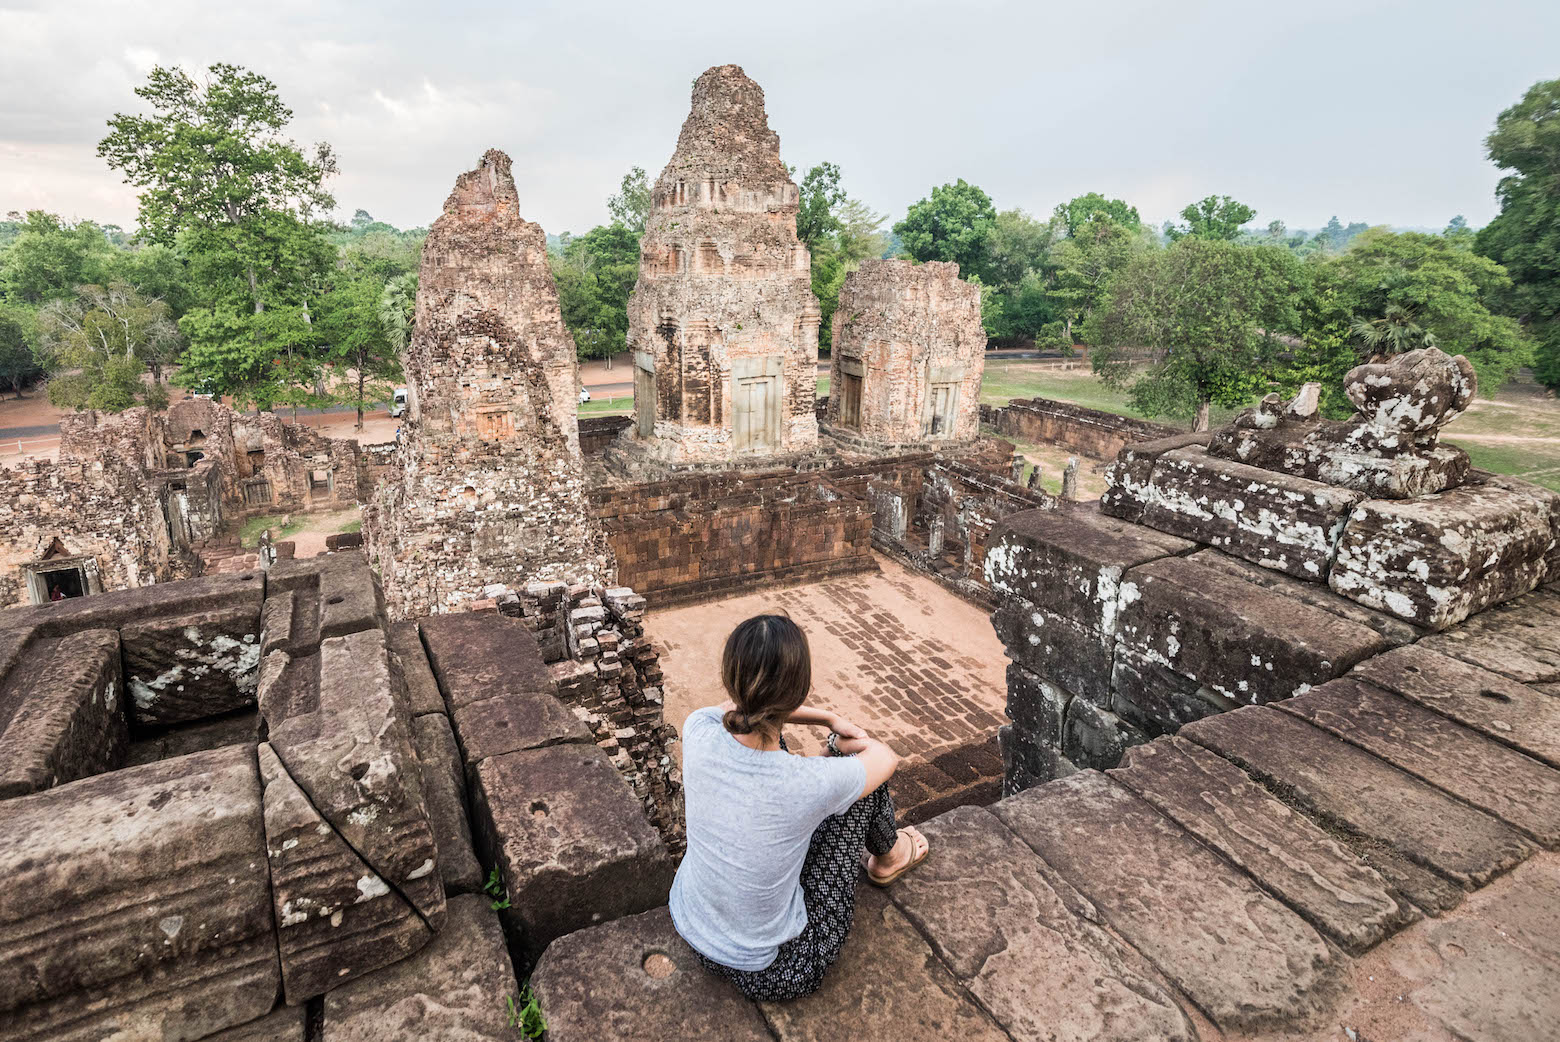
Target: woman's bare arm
column 880, row 761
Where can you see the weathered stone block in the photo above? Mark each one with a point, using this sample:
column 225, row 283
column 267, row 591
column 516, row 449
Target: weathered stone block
column 1130, row 476
column 62, row 713
column 1058, row 649
column 509, row 723
column 348, row 594
column 1438, row 559
column 121, row 608
column 1244, row 959
column 1155, row 698
column 1096, row 737
column 283, row 1024
column 1497, row 707
column 1027, row 762
column 1501, row 781
column 186, row 667
column 336, row 917
column 887, row 968
column 1070, row 562
column 1247, row 643
column 454, row 988
column 1395, row 630
column 1341, row 785
column 1037, row 707
column 136, row 904
column 411, row 662
column 1284, row 851
column 444, row 787
column 1520, row 640
column 347, row 747
column 570, row 840
column 1276, row 520
column 1018, row 940
column 477, row 657
column 290, row 622
column 635, row 979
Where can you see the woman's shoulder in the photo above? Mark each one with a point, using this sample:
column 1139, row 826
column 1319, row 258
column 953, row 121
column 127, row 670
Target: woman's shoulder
column 703, row 720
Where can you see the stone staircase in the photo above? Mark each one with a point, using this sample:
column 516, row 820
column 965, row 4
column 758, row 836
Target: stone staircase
column 1254, row 876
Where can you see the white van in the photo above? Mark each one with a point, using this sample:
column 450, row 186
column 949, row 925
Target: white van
column 398, row 406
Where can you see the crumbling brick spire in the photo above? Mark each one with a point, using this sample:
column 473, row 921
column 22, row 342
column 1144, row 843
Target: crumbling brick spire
column 491, row 486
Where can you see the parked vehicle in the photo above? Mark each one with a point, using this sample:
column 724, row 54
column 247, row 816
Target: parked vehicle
column 398, row 406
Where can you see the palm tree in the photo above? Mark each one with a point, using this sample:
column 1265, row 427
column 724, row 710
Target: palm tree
column 1393, row 333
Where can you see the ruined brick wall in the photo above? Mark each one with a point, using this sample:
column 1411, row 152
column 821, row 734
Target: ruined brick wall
column 683, row 546
column 113, row 525
column 1087, row 431
column 597, row 432
column 491, row 487
column 723, row 312
column 908, row 341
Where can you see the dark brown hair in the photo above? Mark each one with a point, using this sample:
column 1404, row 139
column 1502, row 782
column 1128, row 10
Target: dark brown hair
column 767, row 670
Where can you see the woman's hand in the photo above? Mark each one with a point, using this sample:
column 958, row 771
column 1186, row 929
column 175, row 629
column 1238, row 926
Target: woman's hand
column 846, row 730
column 852, row 746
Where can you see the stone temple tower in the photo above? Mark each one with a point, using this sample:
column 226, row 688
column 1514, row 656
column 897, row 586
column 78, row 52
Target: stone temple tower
column 723, row 324
column 909, row 352
column 491, row 487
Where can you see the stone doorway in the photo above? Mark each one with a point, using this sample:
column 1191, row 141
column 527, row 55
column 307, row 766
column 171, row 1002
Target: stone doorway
column 61, row 578
column 850, row 400
column 644, row 395
column 755, row 413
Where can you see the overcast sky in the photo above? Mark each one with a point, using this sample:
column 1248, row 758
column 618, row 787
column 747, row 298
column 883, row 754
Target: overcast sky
column 1370, row 110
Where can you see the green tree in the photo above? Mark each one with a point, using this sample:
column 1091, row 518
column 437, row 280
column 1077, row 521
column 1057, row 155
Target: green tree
column 361, row 347
column 1457, row 231
column 595, row 275
column 1080, row 211
column 1414, row 289
column 1209, row 312
column 49, row 258
column 630, row 207
column 1216, row 217
column 19, row 361
column 398, row 310
column 819, row 195
column 1525, row 236
column 861, row 236
column 219, row 179
column 952, row 224
column 107, row 339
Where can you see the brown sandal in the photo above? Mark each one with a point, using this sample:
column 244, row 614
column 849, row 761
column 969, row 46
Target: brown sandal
column 919, row 849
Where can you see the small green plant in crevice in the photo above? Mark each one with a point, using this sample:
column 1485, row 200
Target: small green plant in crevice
column 498, row 897
column 527, row 1013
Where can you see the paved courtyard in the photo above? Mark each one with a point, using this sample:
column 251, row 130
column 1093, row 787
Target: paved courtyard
column 892, row 651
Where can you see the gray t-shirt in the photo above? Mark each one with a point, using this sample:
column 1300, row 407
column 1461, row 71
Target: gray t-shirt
column 751, row 816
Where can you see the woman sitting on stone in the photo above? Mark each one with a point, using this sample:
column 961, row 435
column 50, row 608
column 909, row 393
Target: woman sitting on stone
column 767, row 891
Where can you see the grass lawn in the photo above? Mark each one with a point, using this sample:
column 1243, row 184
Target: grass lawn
column 1516, row 433
column 249, row 534
column 619, row 406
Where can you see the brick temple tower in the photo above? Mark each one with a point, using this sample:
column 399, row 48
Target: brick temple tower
column 723, row 324
column 909, row 351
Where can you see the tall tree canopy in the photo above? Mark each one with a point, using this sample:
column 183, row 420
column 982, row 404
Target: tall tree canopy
column 1395, row 291
column 1078, row 212
column 1208, row 313
column 630, row 207
column 952, row 224
column 218, row 177
column 1525, row 236
column 1216, row 217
